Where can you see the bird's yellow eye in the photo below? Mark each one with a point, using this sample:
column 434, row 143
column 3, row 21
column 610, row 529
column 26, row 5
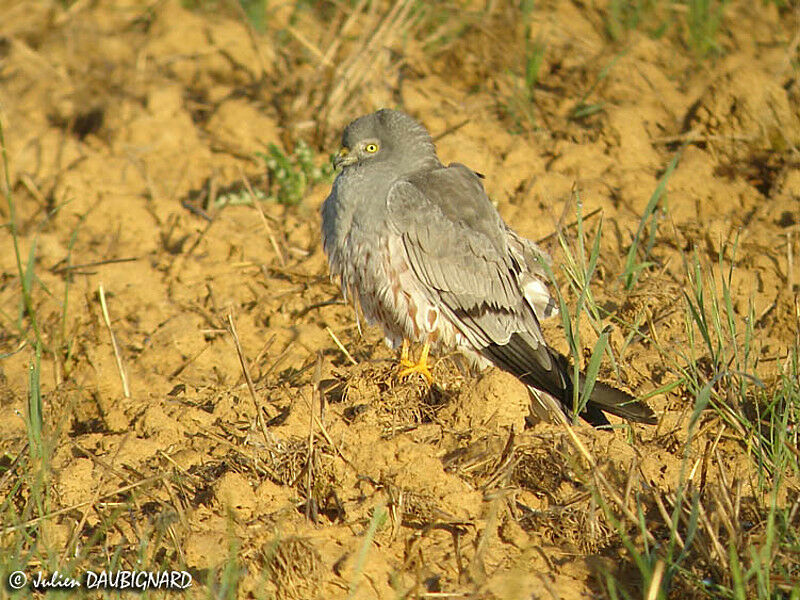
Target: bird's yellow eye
column 371, row 148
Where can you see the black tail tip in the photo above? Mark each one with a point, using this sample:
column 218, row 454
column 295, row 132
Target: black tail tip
column 616, row 402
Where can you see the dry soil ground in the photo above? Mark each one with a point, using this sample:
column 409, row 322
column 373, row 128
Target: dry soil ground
column 130, row 127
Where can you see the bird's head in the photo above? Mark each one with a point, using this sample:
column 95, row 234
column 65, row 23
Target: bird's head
column 386, row 137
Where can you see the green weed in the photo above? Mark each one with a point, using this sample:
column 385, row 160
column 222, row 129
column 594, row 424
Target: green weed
column 66, row 343
column 288, row 177
column 522, row 102
column 720, row 362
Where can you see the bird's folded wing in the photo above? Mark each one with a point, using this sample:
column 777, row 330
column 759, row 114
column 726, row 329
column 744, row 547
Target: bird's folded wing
column 457, row 246
column 478, row 273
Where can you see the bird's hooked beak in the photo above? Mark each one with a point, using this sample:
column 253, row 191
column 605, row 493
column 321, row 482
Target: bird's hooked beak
column 343, row 158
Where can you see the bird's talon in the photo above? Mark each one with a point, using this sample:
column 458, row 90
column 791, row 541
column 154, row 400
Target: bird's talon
column 412, row 368
column 408, row 367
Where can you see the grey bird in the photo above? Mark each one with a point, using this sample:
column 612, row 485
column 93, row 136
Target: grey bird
column 420, row 248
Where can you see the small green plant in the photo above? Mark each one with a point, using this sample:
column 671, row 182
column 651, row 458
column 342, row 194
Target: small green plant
column 720, row 360
column 67, row 343
column 222, row 582
column 534, row 58
column 204, row 5
column 290, row 176
column 35, row 419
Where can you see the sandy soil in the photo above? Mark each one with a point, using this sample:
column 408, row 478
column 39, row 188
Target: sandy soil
column 118, row 115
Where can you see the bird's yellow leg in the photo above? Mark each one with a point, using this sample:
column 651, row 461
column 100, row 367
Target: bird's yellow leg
column 404, row 360
column 410, row 367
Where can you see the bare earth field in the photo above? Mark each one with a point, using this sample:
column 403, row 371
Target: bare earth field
column 131, row 130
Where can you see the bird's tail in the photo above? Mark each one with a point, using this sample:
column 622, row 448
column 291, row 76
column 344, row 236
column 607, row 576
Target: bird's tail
column 614, row 401
column 604, row 399
column 545, row 371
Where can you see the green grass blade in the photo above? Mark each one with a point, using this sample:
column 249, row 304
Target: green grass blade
column 379, row 516
column 25, row 279
column 593, row 368
column 35, row 418
column 632, row 271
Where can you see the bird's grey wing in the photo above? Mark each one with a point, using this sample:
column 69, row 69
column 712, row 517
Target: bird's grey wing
column 458, row 248
column 474, row 269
